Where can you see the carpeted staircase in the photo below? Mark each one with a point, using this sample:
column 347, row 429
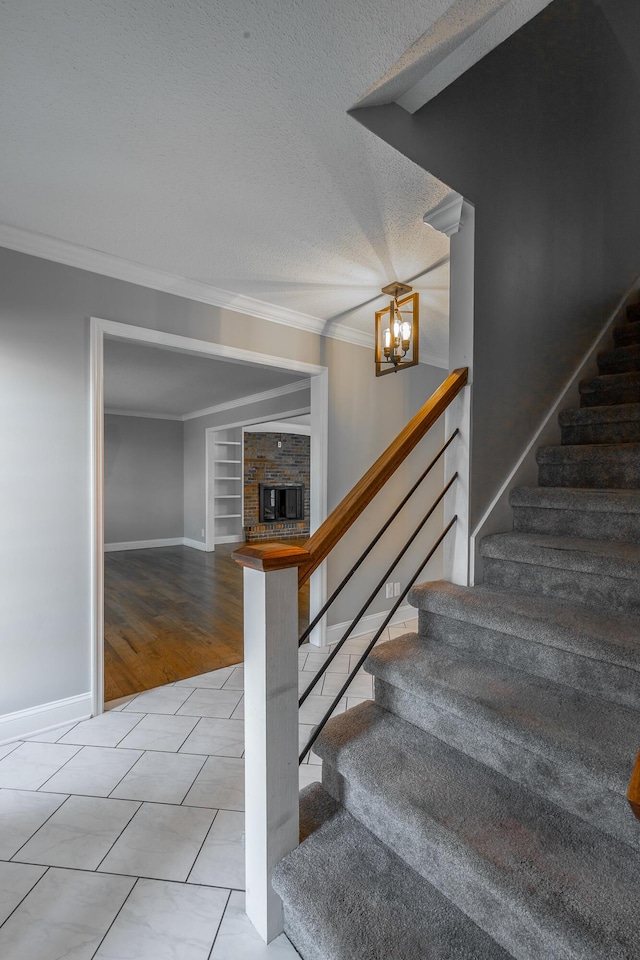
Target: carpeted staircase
column 477, row 808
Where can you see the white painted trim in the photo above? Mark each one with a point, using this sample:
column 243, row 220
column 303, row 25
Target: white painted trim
column 46, row 716
column 107, row 265
column 274, row 426
column 433, row 360
column 251, row 398
column 99, row 328
column 246, row 422
column 497, row 517
column 143, row 414
column 144, row 544
column 96, row 340
column 195, row 544
column 494, row 30
column 189, row 345
column 370, row 623
column 233, row 538
column 446, row 217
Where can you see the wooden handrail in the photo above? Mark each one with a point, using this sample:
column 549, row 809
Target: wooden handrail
column 633, row 793
column 278, row 556
column 347, row 512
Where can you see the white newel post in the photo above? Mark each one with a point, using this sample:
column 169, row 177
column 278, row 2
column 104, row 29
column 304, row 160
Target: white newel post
column 271, row 722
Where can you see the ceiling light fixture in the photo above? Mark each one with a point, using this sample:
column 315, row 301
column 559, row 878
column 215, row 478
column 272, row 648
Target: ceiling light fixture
column 397, row 330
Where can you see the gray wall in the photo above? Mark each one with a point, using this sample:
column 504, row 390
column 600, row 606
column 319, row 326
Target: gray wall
column 543, row 136
column 45, row 539
column 194, row 449
column 143, row 479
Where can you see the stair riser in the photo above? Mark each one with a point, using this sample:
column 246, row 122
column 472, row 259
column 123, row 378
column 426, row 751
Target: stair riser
column 621, row 527
column 607, row 395
column 618, row 365
column 628, row 333
column 597, row 677
column 633, row 312
column 555, row 778
column 458, row 874
column 594, row 589
column 626, row 431
column 600, row 475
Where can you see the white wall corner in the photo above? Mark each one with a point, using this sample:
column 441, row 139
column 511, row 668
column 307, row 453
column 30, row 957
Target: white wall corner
column 497, row 518
column 195, row 544
column 47, row 716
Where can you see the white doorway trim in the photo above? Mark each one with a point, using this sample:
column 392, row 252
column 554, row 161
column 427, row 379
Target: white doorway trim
column 99, row 329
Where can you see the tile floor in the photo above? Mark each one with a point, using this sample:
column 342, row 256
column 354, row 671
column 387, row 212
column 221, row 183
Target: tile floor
column 121, row 837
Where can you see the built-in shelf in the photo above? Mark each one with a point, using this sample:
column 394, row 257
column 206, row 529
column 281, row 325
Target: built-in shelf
column 225, row 457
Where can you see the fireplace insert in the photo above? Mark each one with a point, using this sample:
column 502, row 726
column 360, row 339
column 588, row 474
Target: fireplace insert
column 285, row 502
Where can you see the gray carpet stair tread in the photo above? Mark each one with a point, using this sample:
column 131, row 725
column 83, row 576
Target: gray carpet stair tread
column 608, row 381
column 614, row 638
column 552, row 720
column 372, row 907
column 607, row 558
column 577, row 498
column 587, row 416
column 589, row 453
column 542, row 880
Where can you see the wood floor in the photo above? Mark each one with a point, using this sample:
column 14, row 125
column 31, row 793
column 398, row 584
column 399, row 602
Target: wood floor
column 172, row 613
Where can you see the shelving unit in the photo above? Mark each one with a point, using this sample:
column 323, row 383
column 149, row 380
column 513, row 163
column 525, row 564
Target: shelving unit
column 225, row 487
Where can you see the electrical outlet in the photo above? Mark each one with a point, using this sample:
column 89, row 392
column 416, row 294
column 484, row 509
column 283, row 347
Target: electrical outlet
column 279, row 444
column 388, row 588
column 396, row 589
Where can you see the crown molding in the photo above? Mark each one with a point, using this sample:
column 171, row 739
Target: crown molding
column 107, row 265
column 446, row 217
column 143, row 414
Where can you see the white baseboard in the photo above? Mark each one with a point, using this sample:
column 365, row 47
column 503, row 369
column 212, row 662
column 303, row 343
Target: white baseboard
column 232, row 538
column 144, row 544
column 46, row 716
column 371, row 623
column 497, row 517
column 195, row 544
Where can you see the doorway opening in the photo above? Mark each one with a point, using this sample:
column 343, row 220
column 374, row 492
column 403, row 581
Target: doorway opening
column 180, row 559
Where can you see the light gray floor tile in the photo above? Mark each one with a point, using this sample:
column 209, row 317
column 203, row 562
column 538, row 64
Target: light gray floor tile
column 165, row 921
column 220, row 784
column 159, row 732
column 7, row 748
column 236, row 680
column 107, row 730
column 16, row 880
column 238, row 713
column 66, row 915
column 31, row 764
column 217, row 738
column 339, row 664
column 357, row 644
column 220, row 863
column 239, row 940
column 315, row 707
column 354, row 701
column 213, row 680
column 160, row 777
column 211, row 703
column 52, row 736
column 79, row 834
column 21, row 814
column 305, row 677
column 161, row 842
column 94, row 771
column 397, row 630
column 161, row 700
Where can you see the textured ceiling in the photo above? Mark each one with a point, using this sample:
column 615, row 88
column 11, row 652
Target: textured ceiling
column 144, row 379
column 211, row 139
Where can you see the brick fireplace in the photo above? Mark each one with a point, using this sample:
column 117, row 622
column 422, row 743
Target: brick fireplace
column 281, row 461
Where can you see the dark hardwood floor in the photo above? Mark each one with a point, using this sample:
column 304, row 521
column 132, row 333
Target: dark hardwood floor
column 172, row 613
